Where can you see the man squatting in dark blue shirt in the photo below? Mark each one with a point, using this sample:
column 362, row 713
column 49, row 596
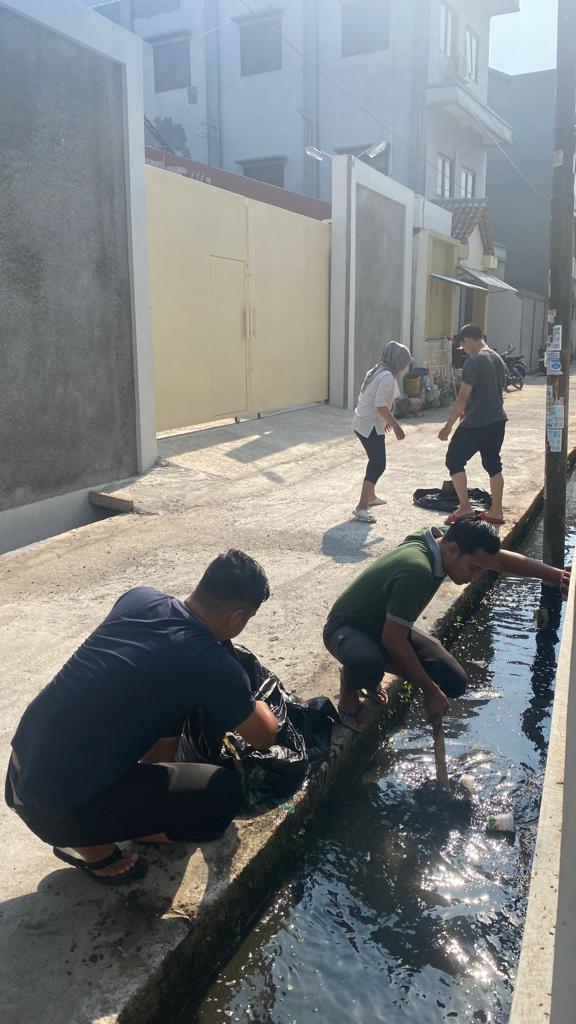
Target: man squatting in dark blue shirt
column 92, row 761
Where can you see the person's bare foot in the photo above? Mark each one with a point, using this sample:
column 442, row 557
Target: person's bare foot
column 159, row 837
column 92, row 854
column 379, row 696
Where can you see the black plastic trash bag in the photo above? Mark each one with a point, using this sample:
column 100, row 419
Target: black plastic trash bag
column 302, row 742
column 440, row 499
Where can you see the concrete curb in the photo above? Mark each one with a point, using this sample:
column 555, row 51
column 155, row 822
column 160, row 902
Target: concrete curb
column 222, row 921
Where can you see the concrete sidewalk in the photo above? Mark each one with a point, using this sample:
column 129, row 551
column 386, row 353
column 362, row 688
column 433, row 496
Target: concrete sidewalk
column 282, row 488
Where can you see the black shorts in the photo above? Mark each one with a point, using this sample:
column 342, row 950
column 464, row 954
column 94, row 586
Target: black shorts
column 365, row 661
column 467, row 441
column 185, row 801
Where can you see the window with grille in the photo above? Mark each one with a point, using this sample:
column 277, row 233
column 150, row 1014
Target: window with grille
column 260, row 46
column 472, row 49
column 445, row 176
column 365, row 26
column 468, row 183
column 270, row 171
column 172, row 65
column 148, row 8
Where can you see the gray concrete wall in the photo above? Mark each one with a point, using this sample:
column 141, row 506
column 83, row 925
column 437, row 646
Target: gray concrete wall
column 371, row 272
column 545, row 989
column 380, row 228
column 67, row 389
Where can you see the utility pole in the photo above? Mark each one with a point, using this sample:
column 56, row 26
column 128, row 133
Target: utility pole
column 561, row 257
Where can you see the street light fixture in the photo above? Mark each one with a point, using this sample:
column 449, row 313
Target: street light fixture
column 317, row 154
column 371, row 152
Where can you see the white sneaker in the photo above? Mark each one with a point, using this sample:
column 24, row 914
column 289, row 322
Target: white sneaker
column 363, row 515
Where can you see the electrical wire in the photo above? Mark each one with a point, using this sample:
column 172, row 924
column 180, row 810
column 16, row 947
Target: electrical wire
column 384, row 127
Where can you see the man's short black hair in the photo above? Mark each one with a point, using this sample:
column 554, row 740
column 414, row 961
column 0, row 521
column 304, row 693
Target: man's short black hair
column 234, row 579
column 471, row 534
column 470, row 331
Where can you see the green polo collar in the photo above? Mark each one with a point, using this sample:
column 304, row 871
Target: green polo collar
column 432, row 536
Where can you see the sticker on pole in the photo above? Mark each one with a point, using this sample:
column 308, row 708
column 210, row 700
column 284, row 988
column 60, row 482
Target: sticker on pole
column 554, row 439
column 556, row 343
column 555, row 416
column 553, row 363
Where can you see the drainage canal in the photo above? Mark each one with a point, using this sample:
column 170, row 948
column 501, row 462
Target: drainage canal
column 403, row 912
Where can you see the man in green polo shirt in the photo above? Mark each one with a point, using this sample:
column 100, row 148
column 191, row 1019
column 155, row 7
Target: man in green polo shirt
column 370, row 629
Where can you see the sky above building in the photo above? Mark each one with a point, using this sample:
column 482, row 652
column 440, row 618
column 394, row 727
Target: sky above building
column 525, row 41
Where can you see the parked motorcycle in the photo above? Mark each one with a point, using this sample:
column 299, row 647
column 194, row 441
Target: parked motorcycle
column 515, row 368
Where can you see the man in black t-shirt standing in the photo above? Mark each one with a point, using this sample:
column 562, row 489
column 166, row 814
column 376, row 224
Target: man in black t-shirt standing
column 93, row 756
column 480, row 407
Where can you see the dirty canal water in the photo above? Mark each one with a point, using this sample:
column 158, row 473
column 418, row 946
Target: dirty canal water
column 404, row 911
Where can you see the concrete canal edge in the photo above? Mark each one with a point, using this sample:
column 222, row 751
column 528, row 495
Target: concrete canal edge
column 268, row 845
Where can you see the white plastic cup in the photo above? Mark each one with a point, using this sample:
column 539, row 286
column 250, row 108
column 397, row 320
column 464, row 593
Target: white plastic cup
column 469, row 782
column 500, row 823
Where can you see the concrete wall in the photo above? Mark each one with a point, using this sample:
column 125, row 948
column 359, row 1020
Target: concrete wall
column 75, row 401
column 380, row 231
column 240, row 303
column 545, row 991
column 371, row 280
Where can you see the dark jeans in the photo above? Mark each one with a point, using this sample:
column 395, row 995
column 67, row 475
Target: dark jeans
column 469, row 440
column 193, row 802
column 375, row 447
column 365, row 661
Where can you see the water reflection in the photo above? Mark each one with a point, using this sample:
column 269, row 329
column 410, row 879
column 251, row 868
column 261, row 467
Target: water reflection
column 404, row 910
column 543, row 670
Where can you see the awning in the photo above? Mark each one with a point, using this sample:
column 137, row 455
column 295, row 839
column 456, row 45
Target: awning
column 493, row 284
column 458, row 281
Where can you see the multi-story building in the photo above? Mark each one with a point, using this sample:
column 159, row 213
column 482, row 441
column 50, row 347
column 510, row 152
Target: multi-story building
column 527, row 103
column 247, row 86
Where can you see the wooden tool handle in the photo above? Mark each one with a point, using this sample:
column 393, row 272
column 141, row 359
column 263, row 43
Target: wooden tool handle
column 440, row 755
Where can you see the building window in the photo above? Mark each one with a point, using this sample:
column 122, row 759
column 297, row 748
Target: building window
column 269, row 170
column 468, row 183
column 445, row 176
column 172, row 65
column 472, row 46
column 148, row 8
column 447, row 23
column 365, row 26
column 261, row 46
column 110, row 10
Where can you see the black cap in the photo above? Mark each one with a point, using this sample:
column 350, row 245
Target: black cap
column 469, row 331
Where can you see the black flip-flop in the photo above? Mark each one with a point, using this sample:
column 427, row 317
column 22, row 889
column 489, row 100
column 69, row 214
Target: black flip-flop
column 138, row 870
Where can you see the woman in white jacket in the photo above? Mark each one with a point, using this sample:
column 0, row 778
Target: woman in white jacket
column 374, row 417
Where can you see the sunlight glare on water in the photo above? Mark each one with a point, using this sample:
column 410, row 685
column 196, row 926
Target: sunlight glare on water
column 405, row 911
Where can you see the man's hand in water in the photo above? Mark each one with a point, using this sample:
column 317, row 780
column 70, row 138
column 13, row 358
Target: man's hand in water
column 435, row 703
column 565, row 582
